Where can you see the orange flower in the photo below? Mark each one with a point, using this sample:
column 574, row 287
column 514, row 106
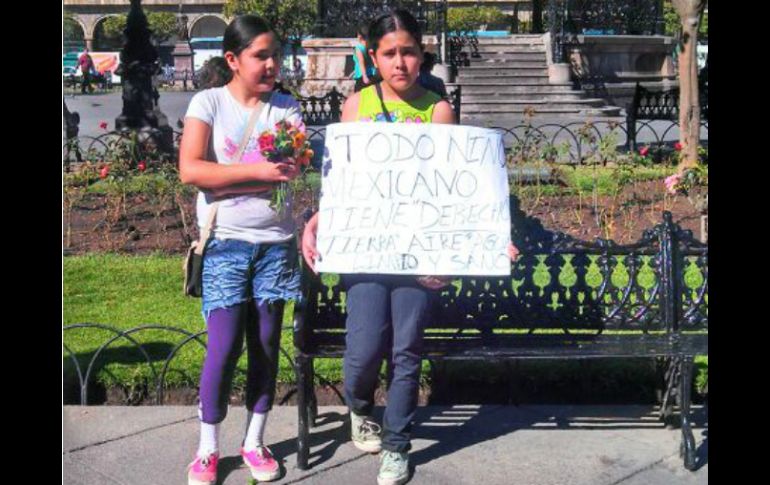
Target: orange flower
column 299, row 139
column 308, row 153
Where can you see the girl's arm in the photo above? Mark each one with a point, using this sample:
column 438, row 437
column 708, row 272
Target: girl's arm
column 350, row 108
column 241, row 189
column 194, row 169
column 443, row 113
column 309, row 249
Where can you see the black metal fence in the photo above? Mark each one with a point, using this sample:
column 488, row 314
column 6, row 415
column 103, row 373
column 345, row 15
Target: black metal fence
column 141, row 345
column 568, row 18
column 574, row 143
column 341, row 18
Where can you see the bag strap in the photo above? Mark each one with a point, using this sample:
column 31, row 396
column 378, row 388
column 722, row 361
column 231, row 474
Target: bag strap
column 206, row 231
column 382, row 103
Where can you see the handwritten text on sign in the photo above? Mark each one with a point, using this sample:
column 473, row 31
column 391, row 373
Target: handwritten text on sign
column 413, row 199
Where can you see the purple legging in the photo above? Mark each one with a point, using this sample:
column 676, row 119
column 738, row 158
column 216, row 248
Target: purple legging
column 225, row 329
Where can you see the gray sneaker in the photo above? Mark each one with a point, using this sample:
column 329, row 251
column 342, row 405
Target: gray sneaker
column 365, row 433
column 394, row 468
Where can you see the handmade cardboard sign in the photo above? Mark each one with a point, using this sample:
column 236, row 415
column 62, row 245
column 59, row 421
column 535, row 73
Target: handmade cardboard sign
column 404, row 198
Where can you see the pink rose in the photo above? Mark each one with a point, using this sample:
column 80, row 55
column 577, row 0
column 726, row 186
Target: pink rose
column 671, row 182
column 267, row 141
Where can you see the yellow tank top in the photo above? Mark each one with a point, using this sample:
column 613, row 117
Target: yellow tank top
column 419, row 110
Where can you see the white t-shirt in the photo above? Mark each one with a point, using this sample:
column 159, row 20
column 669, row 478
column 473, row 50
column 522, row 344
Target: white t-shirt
column 244, row 217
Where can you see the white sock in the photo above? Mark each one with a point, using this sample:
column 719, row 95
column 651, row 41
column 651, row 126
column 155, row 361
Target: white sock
column 209, row 439
column 255, row 431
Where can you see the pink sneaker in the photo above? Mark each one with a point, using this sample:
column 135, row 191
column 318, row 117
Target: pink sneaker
column 203, row 471
column 263, row 466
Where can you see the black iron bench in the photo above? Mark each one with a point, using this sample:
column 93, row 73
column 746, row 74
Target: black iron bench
column 660, row 105
column 565, row 299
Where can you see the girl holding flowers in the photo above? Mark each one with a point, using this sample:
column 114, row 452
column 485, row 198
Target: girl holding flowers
column 250, row 264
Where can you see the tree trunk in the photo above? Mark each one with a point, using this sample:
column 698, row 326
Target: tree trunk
column 689, row 106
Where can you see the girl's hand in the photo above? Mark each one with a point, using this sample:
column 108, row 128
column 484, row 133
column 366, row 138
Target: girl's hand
column 276, row 172
column 309, row 249
column 434, row 282
column 513, row 252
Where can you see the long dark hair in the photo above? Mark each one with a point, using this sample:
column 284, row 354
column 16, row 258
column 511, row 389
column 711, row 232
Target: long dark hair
column 241, row 31
column 398, row 19
column 238, row 36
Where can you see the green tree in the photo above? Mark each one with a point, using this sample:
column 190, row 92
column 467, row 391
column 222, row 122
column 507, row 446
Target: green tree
column 290, row 19
column 469, row 19
column 673, row 24
column 72, row 31
column 72, row 34
column 161, row 24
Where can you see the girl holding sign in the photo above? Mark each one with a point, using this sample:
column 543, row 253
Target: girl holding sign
column 250, row 265
column 386, row 314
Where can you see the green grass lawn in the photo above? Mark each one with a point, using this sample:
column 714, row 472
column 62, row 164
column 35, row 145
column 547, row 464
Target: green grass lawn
column 130, row 291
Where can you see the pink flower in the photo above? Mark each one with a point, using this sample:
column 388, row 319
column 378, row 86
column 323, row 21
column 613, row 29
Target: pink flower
column 103, row 125
column 678, row 146
column 644, row 151
column 142, row 166
column 671, row 183
column 104, row 172
column 267, row 141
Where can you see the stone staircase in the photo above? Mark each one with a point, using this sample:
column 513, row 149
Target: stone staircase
column 510, row 77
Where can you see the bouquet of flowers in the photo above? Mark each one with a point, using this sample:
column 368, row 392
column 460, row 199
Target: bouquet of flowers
column 286, row 144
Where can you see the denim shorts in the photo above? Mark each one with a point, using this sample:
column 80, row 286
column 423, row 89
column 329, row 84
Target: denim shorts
column 234, row 271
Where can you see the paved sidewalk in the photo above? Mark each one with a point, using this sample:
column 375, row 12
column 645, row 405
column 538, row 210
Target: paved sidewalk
column 463, row 444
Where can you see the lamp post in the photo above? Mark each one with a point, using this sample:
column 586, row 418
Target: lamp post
column 138, row 67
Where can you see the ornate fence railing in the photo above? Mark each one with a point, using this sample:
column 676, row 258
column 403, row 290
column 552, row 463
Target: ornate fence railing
column 152, row 359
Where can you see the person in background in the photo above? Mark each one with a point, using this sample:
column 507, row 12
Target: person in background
column 428, row 80
column 364, row 69
column 86, row 64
